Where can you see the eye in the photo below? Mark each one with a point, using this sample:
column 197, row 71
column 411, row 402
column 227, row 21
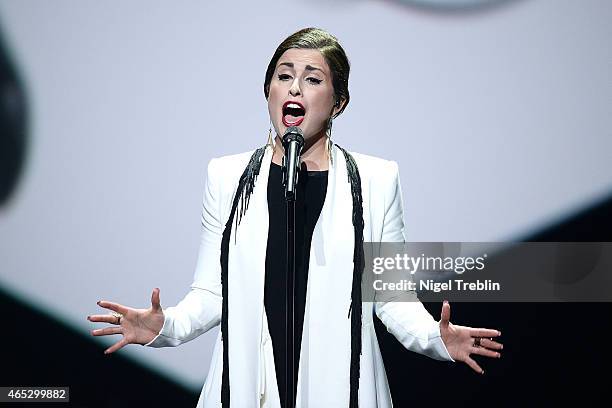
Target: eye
column 284, row 77
column 313, row 80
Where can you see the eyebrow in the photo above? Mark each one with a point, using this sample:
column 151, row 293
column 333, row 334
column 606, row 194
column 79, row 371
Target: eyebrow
column 308, row 67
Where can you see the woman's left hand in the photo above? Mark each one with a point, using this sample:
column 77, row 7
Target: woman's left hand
column 461, row 341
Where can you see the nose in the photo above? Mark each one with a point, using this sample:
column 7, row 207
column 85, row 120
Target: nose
column 295, row 88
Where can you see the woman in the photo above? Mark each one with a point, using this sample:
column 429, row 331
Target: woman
column 344, row 199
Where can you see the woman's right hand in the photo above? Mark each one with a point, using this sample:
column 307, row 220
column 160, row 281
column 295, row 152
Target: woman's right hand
column 138, row 326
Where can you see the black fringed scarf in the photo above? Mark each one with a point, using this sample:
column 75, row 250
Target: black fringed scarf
column 243, row 193
column 358, row 265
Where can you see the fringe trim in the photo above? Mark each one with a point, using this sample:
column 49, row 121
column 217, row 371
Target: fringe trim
column 355, row 309
column 241, row 200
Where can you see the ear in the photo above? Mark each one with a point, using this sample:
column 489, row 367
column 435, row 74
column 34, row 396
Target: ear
column 338, row 106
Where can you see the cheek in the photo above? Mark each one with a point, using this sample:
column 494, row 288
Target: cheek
column 322, row 105
column 274, row 97
column 273, row 102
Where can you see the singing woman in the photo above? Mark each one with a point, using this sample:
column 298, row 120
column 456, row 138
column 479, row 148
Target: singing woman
column 343, row 199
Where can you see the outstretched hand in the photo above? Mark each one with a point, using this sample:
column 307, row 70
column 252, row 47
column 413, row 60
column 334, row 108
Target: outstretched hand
column 138, row 326
column 461, row 341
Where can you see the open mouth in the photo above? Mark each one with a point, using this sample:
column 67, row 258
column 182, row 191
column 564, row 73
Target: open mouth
column 293, row 113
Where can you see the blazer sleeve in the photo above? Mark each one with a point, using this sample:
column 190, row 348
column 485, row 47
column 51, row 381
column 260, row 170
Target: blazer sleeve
column 200, row 309
column 408, row 321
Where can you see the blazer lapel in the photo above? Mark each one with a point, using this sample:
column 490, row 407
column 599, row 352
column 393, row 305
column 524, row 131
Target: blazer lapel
column 326, row 342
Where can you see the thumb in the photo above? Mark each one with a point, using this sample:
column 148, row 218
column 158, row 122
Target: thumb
column 155, row 300
column 445, row 315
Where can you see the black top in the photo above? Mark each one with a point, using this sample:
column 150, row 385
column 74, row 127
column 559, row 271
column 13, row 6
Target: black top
column 310, row 195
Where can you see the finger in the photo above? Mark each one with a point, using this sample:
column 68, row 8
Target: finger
column 116, row 346
column 491, row 344
column 107, row 331
column 484, row 333
column 103, row 318
column 484, row 352
column 474, row 365
column 113, row 306
column 445, row 315
column 155, row 300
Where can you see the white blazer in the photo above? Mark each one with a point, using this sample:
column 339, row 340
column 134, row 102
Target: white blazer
column 324, row 374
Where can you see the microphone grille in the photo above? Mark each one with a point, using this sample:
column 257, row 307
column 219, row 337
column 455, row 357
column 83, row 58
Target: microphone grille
column 293, row 133
column 294, row 129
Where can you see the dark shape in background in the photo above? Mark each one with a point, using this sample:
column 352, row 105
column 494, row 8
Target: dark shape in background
column 40, row 350
column 554, row 353
column 13, row 126
column 455, row 7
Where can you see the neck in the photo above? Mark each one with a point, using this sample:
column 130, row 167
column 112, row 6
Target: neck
column 314, row 154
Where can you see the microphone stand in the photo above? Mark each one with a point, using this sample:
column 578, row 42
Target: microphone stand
column 290, row 300
column 293, row 141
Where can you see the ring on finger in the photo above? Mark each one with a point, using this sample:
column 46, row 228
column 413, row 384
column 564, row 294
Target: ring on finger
column 118, row 316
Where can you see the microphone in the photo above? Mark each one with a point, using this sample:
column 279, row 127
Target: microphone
column 293, row 142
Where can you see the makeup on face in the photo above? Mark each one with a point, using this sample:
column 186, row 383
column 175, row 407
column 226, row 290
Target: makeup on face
column 301, row 93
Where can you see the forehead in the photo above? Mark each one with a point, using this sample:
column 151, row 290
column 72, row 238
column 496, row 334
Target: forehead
column 302, row 57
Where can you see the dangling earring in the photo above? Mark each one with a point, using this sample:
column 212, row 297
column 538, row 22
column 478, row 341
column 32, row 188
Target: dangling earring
column 270, row 139
column 329, row 145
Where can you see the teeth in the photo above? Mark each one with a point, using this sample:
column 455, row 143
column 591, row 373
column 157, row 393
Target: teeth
column 294, row 105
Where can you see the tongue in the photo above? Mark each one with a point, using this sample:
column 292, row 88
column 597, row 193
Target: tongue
column 292, row 119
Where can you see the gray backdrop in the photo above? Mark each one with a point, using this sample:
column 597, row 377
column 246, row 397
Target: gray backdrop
column 500, row 120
